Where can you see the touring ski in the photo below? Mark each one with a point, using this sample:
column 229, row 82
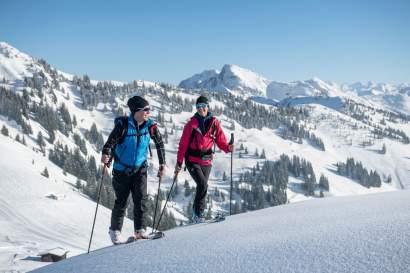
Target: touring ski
column 151, row 236
column 216, row 219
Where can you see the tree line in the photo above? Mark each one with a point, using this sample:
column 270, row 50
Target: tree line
column 356, row 171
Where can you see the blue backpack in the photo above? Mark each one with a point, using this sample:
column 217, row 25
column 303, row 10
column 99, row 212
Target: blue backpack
column 130, row 152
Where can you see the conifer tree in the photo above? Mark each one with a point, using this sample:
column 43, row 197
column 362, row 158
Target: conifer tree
column 189, row 210
column 45, row 173
column 324, row 182
column 40, row 140
column 383, row 151
column 187, row 188
column 74, row 121
column 263, row 156
column 5, row 131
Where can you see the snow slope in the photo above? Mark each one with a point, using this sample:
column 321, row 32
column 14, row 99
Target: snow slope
column 346, row 234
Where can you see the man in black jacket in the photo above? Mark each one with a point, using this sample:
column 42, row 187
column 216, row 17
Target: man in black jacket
column 128, row 144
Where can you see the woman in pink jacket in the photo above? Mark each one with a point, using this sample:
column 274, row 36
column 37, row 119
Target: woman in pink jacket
column 197, row 147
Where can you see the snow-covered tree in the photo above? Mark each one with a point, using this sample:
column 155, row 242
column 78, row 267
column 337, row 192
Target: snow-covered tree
column 45, row 173
column 4, row 130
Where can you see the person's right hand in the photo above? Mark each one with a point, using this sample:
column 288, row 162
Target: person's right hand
column 161, row 170
column 105, row 159
column 178, row 168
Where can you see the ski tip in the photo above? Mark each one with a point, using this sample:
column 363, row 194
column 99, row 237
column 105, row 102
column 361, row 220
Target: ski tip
column 157, row 235
column 130, row 240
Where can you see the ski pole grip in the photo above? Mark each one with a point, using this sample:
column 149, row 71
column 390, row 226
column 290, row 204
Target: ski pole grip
column 232, row 139
column 105, row 169
column 109, row 162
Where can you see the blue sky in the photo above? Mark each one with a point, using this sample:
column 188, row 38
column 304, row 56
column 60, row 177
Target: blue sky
column 168, row 41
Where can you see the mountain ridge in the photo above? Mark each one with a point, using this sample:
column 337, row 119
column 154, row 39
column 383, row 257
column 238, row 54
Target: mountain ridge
column 394, row 97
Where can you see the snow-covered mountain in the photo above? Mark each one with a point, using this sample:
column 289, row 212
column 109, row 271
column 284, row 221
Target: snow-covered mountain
column 230, row 78
column 309, row 88
column 15, row 65
column 371, row 88
column 393, row 97
column 347, row 129
column 235, row 78
column 351, row 234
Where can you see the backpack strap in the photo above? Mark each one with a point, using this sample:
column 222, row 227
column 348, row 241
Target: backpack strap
column 214, row 134
column 123, row 122
column 151, row 130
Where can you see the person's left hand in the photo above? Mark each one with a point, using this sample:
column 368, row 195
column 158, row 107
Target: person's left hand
column 231, row 147
column 161, row 171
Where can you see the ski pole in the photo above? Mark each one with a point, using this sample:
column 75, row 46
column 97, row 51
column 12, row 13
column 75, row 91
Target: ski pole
column 150, row 151
column 230, row 195
column 98, row 201
column 169, row 194
column 156, row 204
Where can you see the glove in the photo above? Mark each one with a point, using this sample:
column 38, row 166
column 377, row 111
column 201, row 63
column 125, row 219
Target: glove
column 105, row 158
column 161, row 171
column 178, row 168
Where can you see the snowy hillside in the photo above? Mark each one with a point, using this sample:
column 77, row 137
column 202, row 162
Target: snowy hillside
column 231, row 78
column 347, row 234
column 74, row 115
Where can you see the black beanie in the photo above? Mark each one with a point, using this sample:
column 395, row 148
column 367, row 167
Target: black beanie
column 136, row 103
column 202, row 99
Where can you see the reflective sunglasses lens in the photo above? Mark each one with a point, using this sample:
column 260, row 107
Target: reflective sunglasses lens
column 146, row 109
column 201, row 105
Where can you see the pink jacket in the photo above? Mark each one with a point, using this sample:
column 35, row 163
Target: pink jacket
column 201, row 142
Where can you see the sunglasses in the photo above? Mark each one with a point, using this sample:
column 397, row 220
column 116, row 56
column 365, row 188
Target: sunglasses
column 201, row 105
column 146, row 109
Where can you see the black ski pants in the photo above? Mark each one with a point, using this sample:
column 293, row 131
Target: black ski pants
column 123, row 185
column 200, row 174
